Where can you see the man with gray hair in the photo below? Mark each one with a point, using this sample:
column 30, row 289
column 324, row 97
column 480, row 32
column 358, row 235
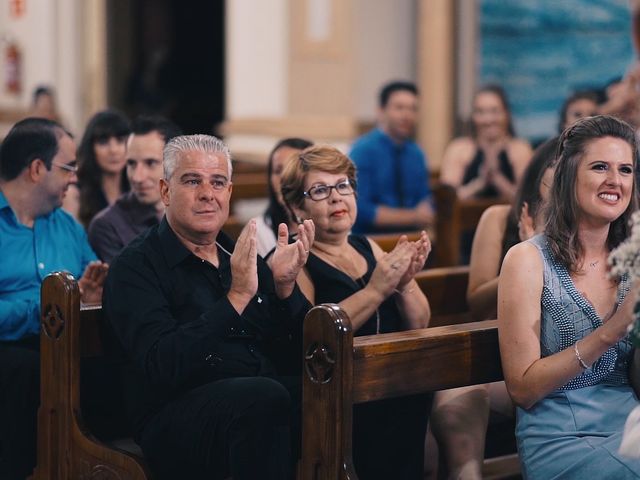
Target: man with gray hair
column 196, row 315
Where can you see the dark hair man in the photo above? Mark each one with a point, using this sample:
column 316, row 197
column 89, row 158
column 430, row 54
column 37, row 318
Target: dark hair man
column 37, row 165
column 393, row 177
column 140, row 208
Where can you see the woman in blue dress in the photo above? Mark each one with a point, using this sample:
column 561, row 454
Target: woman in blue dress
column 568, row 363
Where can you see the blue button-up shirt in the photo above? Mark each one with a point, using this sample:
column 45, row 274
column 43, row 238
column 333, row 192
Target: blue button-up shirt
column 27, row 255
column 383, row 168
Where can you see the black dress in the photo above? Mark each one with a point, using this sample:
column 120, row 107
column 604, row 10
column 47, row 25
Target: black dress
column 388, row 435
column 473, row 171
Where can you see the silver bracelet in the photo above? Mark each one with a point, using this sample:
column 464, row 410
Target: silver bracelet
column 405, row 290
column 577, row 352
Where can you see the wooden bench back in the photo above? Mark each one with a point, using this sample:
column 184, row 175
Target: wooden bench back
column 340, row 371
column 66, row 448
column 248, row 186
column 456, row 216
column 446, row 289
column 386, row 241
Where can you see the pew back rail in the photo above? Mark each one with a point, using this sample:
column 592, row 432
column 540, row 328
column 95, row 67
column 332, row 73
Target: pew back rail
column 340, row 371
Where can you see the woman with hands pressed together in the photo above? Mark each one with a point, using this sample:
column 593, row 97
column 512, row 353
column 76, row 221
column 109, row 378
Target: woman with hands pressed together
column 376, row 289
column 490, row 162
column 568, row 363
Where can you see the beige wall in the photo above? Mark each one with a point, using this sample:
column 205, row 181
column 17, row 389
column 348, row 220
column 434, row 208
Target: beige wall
column 384, row 49
column 328, row 59
column 436, row 66
column 257, row 58
column 50, row 38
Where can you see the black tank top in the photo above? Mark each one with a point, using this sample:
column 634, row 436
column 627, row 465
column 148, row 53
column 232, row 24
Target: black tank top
column 473, row 170
column 333, row 286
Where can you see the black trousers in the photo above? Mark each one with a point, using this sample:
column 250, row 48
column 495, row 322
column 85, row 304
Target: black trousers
column 388, row 437
column 237, row 427
column 19, row 400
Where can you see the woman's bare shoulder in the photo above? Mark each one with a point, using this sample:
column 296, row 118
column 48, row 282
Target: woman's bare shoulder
column 523, row 256
column 519, row 147
column 496, row 215
column 462, row 145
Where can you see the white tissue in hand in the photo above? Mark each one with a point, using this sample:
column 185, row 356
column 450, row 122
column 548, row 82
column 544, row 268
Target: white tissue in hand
column 630, row 446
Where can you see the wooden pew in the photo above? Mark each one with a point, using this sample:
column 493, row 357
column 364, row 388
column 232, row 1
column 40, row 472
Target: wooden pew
column 248, row 186
column 233, row 226
column 66, row 448
column 386, row 241
column 340, row 371
column 446, row 289
column 456, row 216
column 245, row 166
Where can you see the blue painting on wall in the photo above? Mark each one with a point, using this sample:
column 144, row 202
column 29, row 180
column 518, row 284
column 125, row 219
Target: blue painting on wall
column 541, row 51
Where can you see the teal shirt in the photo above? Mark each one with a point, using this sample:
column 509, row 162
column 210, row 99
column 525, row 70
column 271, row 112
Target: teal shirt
column 27, row 255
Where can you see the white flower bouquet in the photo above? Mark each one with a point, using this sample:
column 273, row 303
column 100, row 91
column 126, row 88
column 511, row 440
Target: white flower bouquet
column 625, row 259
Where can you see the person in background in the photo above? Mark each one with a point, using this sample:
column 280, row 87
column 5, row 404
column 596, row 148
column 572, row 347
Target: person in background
column 567, row 359
column 578, row 105
column 37, row 165
column 393, row 175
column 377, row 291
column 276, row 213
column 101, row 165
column 490, row 162
column 44, row 104
column 460, row 416
column 135, row 211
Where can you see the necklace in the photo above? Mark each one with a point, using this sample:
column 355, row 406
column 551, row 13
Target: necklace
column 353, row 275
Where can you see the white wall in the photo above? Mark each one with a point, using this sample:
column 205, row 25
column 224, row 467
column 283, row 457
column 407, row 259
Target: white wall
column 257, row 58
column 385, row 48
column 49, row 38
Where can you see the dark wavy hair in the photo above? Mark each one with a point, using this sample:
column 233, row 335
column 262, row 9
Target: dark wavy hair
column 529, row 191
column 275, row 214
column 102, row 126
column 563, row 209
column 502, row 95
column 579, row 95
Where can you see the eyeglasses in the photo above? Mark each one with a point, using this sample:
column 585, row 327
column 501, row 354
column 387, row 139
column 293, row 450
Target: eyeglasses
column 66, row 167
column 320, row 192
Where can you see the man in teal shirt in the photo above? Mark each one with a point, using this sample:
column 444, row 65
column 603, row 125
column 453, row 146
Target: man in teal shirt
column 37, row 164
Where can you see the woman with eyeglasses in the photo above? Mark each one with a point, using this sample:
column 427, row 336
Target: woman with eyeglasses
column 376, row 289
column 101, row 160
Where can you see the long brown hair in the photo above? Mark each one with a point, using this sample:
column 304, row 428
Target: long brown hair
column 563, row 209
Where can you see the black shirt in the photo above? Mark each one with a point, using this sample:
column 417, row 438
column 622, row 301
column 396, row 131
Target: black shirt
column 170, row 312
column 114, row 227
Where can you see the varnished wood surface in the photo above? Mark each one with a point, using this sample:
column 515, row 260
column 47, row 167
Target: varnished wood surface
column 373, row 367
column 66, row 448
column 455, row 216
column 429, row 359
column 386, row 241
column 446, row 290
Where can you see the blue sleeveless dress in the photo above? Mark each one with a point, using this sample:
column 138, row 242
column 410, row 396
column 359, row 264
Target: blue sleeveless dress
column 575, row 432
